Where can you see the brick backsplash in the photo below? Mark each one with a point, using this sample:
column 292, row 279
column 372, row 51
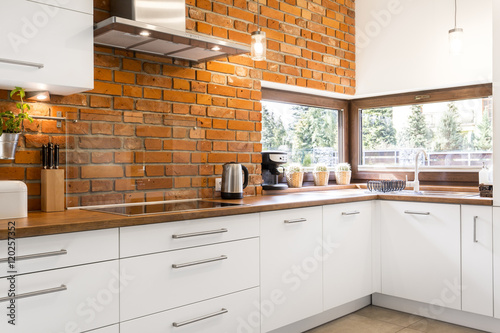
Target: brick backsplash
column 155, row 128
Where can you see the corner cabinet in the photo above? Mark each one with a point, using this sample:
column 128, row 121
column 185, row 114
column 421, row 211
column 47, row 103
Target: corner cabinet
column 46, row 47
column 477, row 258
column 420, row 249
column 291, row 266
column 347, row 239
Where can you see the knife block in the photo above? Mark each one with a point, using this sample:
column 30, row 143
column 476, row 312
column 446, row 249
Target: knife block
column 52, row 191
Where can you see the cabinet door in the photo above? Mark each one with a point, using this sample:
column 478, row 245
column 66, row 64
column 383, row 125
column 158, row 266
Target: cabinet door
column 477, row 259
column 348, row 254
column 75, row 299
column 496, row 259
column 291, row 266
column 237, row 312
column 421, row 252
column 201, row 273
column 84, row 6
column 45, row 48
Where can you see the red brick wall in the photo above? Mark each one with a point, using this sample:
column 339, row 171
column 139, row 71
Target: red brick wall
column 157, row 129
column 310, row 43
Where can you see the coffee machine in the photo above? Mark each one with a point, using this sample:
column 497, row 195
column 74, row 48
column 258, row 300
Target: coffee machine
column 271, row 161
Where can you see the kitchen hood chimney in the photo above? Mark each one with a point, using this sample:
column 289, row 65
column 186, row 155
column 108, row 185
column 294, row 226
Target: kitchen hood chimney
column 159, row 27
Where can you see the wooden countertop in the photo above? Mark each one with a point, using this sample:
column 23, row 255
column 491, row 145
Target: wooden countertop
column 40, row 223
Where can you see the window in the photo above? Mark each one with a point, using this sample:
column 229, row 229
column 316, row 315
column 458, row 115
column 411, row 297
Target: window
column 456, row 134
column 309, row 134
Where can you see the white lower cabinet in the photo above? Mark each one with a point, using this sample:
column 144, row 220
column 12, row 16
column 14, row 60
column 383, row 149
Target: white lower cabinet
column 234, row 313
column 75, row 299
column 477, row 259
column 496, row 259
column 420, row 250
column 347, row 239
column 291, row 266
column 167, row 280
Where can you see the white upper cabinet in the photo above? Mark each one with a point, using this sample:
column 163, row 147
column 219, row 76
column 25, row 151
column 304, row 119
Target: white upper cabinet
column 84, row 6
column 347, row 236
column 45, row 47
column 291, row 254
column 477, row 260
column 420, row 249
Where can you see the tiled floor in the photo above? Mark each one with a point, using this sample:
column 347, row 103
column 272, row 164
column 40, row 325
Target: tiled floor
column 373, row 319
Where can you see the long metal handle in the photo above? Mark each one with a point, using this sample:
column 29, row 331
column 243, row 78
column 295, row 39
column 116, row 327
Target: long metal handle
column 350, row 213
column 200, row 233
column 199, row 262
column 475, row 229
column 35, row 293
column 187, row 322
column 296, row 220
column 22, row 63
column 37, row 255
column 416, row 213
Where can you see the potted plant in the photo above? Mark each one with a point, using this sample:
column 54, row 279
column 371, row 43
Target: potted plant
column 321, row 174
column 343, row 173
column 294, row 175
column 11, row 126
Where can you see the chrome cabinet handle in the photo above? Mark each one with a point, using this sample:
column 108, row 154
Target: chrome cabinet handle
column 475, row 230
column 35, row 293
column 296, row 220
column 22, row 63
column 199, row 262
column 187, row 322
column 37, row 255
column 416, row 213
column 350, row 213
column 200, row 233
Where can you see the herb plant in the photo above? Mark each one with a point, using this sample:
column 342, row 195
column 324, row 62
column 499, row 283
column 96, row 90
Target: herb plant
column 13, row 122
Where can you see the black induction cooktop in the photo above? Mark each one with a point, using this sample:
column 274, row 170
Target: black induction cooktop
column 158, row 208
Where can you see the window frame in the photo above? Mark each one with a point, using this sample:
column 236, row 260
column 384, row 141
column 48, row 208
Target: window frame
column 444, row 177
column 289, row 97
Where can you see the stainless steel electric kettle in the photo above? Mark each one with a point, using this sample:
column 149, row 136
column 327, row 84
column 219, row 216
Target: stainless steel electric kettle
column 234, row 180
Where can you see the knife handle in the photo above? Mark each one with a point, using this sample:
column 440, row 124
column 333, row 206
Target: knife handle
column 56, row 156
column 44, row 156
column 51, row 156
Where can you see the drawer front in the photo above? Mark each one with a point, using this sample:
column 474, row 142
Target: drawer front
column 56, row 251
column 109, row 329
column 242, row 316
column 89, row 301
column 158, row 286
column 153, row 238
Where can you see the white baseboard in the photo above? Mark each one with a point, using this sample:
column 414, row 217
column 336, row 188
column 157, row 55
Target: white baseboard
column 324, row 317
column 457, row 317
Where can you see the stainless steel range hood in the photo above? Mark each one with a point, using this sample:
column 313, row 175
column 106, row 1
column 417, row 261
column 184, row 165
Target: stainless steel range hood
column 158, row 27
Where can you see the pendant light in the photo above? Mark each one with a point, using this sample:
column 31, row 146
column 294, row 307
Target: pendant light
column 455, row 37
column 258, row 46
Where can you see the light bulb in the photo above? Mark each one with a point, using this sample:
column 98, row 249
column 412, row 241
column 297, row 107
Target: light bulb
column 258, row 47
column 455, row 40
